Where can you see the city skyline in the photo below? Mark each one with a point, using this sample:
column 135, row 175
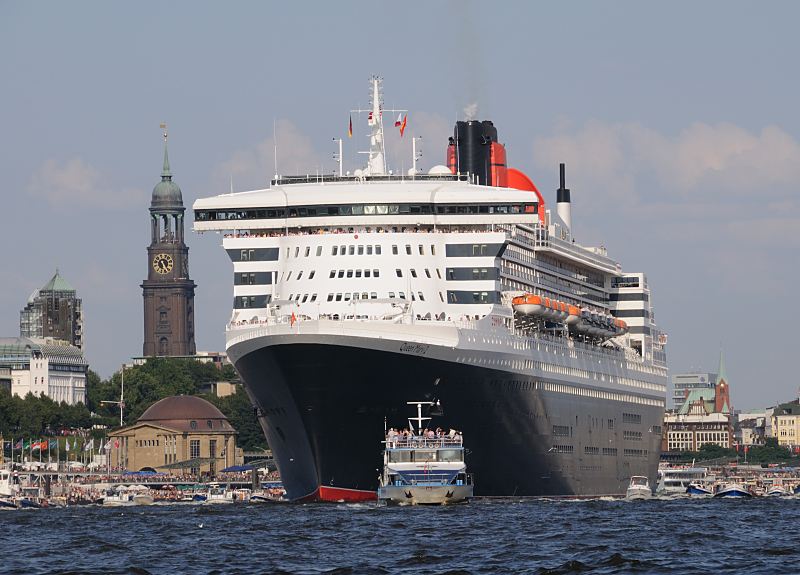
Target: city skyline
column 678, row 134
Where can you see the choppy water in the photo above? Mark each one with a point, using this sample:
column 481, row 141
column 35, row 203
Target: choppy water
column 531, row 536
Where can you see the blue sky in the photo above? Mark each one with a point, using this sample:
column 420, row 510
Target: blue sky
column 677, row 122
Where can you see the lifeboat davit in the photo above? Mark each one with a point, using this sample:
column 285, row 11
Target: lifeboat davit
column 528, row 304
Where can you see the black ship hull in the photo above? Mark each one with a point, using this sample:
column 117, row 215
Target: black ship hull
column 324, row 409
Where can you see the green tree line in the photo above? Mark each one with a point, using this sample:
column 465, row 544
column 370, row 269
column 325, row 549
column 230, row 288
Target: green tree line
column 144, row 385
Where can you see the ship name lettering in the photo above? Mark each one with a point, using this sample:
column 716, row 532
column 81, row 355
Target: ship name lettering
column 418, row 348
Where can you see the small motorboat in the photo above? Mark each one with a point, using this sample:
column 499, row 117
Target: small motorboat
column 639, row 489
column 733, row 490
column 778, row 491
column 698, row 489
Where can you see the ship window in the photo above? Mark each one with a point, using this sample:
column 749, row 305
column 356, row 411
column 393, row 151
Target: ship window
column 369, row 250
column 408, row 249
column 413, row 273
column 333, row 274
column 424, row 455
column 365, row 295
column 402, row 295
column 427, row 273
column 319, row 250
column 338, row 297
column 349, row 273
column 413, row 297
column 330, row 297
column 297, row 251
column 421, row 297
column 308, row 251
column 449, row 455
column 438, row 273
column 300, row 275
column 391, row 294
column 311, row 274
column 399, row 272
column 400, row 456
column 289, row 276
column 305, row 297
column 433, row 250
column 373, row 295
column 334, row 250
column 394, row 250
column 356, row 296
column 366, row 273
column 358, row 273
column 377, row 250
column 361, row 250
column 351, row 250
column 421, row 250
column 376, row 273
column 441, row 297
column 341, row 274
column 347, row 297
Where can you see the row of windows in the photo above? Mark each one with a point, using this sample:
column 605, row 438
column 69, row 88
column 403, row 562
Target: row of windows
column 467, row 274
column 563, row 448
column 632, row 435
column 350, row 273
column 631, row 418
column 147, row 443
column 634, row 452
column 562, row 430
column 630, row 313
column 356, row 250
column 472, row 297
column 640, row 296
column 361, row 210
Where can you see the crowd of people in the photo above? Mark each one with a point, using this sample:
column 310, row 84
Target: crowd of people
column 396, row 437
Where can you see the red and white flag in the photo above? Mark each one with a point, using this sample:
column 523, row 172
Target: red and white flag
column 398, row 121
column 403, row 125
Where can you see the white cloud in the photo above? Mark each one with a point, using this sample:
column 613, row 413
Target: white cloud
column 254, row 167
column 76, row 184
column 701, row 162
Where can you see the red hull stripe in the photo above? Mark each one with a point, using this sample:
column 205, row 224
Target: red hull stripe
column 338, row 494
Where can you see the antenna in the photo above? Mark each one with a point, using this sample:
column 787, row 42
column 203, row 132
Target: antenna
column 275, row 146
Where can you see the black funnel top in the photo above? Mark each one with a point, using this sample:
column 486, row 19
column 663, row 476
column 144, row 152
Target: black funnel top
column 562, row 193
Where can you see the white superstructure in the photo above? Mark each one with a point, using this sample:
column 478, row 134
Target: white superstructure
column 427, row 266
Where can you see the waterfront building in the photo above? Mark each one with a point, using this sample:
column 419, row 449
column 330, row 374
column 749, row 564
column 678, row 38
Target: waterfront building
column 43, row 367
column 54, row 311
column 179, row 434
column 786, row 423
column 168, row 291
column 750, row 428
column 705, row 416
column 684, row 383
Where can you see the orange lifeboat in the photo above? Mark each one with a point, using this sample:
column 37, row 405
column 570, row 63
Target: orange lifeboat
column 528, row 304
column 573, row 315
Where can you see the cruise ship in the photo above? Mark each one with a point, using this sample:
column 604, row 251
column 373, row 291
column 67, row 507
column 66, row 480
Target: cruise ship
column 458, row 284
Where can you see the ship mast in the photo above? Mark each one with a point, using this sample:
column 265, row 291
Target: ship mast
column 377, row 148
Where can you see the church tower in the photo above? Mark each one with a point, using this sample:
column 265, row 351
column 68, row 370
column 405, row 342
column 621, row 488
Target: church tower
column 168, row 292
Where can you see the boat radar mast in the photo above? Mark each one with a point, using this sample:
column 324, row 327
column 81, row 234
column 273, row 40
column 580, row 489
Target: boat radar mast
column 376, row 166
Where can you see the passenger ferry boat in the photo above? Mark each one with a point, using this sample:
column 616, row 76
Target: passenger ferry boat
column 424, row 468
column 676, row 480
column 352, row 292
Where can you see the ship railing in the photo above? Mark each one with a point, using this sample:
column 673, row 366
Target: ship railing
column 423, row 442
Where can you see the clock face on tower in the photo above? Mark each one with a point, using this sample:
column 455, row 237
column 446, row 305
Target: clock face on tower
column 162, row 263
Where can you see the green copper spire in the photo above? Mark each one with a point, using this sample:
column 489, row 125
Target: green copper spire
column 722, row 375
column 165, row 173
